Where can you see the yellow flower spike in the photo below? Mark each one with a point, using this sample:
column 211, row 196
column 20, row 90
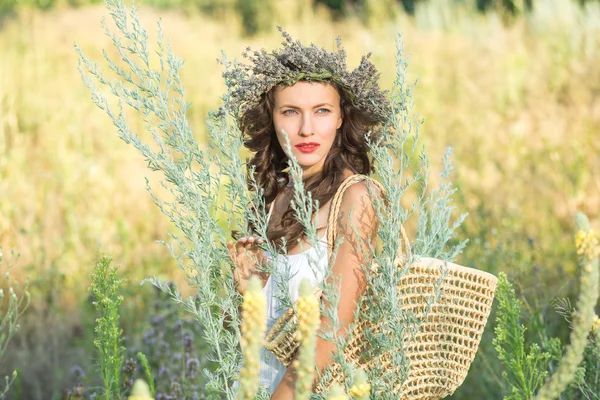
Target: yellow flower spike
column 587, row 244
column 336, row 393
column 309, row 319
column 596, row 325
column 584, row 318
column 140, row 391
column 361, row 388
column 253, row 327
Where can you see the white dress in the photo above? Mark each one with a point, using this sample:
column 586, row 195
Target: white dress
column 271, row 370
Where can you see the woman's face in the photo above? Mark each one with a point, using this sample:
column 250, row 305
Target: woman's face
column 310, row 114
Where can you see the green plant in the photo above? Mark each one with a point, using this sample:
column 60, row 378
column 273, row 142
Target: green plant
column 588, row 250
column 105, row 288
column 147, row 372
column 525, row 372
column 257, row 15
column 586, row 382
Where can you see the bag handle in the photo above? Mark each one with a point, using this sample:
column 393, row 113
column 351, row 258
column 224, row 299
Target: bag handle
column 334, row 210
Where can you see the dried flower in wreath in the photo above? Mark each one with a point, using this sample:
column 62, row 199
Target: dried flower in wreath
column 294, row 62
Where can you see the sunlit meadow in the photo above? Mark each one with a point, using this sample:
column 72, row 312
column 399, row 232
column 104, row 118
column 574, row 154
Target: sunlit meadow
column 517, row 99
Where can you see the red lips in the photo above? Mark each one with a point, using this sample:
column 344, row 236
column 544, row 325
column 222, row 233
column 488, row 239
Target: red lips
column 307, row 147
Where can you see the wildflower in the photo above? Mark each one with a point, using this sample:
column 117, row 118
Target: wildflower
column 78, row 372
column 360, row 391
column 127, row 371
column 309, row 319
column 140, row 391
column 587, row 244
column 77, row 392
column 308, row 312
column 336, row 393
column 253, row 326
column 361, row 388
column 587, row 249
column 596, row 324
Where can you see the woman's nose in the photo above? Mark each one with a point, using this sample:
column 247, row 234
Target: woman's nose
column 306, row 128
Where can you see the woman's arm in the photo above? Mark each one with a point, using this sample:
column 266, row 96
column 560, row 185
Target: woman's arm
column 347, row 269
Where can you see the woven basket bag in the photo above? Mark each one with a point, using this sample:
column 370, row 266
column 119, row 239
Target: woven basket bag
column 444, row 346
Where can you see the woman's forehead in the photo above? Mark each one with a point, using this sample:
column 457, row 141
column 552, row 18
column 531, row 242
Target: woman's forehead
column 307, row 94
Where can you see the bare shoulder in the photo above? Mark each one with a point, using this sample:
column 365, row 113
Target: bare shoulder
column 357, row 220
column 359, row 194
column 357, row 204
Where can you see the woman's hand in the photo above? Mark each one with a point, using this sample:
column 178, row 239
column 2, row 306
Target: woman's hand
column 246, row 255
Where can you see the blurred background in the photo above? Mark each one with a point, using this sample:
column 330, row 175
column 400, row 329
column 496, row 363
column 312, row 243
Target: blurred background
column 512, row 86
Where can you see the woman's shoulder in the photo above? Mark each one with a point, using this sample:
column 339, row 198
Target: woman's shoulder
column 361, row 190
column 357, row 201
column 360, row 193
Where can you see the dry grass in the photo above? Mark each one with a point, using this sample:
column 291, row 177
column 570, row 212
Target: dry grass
column 519, row 104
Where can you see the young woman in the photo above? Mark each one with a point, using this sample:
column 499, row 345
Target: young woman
column 327, row 128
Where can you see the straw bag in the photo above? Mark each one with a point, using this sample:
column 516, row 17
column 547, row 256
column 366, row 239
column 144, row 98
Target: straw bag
column 443, row 347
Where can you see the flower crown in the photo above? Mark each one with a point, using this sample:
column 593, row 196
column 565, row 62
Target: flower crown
column 295, row 62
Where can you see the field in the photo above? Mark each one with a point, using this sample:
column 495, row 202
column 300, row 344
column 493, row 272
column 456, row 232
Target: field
column 517, row 98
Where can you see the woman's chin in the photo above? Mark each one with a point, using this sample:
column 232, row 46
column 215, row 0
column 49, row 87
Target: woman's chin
column 307, row 160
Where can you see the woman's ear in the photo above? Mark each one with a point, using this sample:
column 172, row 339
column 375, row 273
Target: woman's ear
column 339, row 123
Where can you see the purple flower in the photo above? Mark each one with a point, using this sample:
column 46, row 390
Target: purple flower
column 78, row 372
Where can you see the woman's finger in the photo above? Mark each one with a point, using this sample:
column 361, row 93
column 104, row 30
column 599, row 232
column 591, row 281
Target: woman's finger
column 248, row 243
column 240, row 245
column 253, row 243
column 256, row 240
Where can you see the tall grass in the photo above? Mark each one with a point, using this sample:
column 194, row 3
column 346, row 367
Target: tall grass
column 14, row 300
column 517, row 102
column 532, row 86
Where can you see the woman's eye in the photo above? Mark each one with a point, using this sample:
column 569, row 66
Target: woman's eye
column 323, row 110
column 288, row 112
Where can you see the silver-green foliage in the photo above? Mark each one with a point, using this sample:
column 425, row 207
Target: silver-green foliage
column 11, row 309
column 403, row 170
column 193, row 177
column 148, row 82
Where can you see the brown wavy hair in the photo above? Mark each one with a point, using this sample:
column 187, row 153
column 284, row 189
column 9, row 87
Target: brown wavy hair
column 349, row 150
